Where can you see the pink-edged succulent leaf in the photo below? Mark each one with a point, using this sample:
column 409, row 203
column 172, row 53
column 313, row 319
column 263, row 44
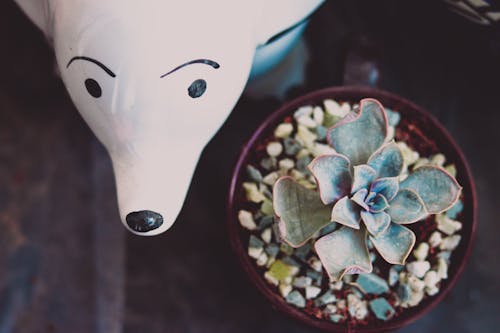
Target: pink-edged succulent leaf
column 395, row 244
column 346, row 212
column 364, row 175
column 299, row 211
column 361, row 132
column 407, row 207
column 333, row 176
column 435, row 186
column 344, row 252
column 376, row 223
column 387, row 161
column 360, row 197
column 378, row 203
column 388, row 187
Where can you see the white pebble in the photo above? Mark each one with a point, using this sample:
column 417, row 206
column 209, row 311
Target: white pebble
column 283, row 130
column 255, row 252
column 266, row 235
column 246, row 220
column 315, row 264
column 270, row 178
column 302, row 281
column 402, row 277
column 285, row 289
column 431, row 279
column 286, row 164
column 415, row 283
column 418, row 268
column 303, row 111
column 432, row 291
column 357, row 308
column 331, row 309
column 447, row 225
column 307, row 121
column 444, row 255
column 435, row 239
column 345, row 108
column 262, row 259
column 322, row 149
column 442, row 269
column 296, row 174
column 318, row 115
column 312, row 292
column 305, row 136
column 421, row 251
column 274, row 149
column 252, row 192
column 332, row 107
column 438, row 160
column 271, row 279
column 409, row 155
column 416, row 298
column 302, row 153
column 421, row 162
column 450, row 243
column 336, row 285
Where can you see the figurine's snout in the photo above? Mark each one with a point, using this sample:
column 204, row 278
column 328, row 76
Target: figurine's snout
column 144, row 220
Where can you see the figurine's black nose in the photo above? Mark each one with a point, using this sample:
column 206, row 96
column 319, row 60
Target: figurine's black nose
column 144, row 220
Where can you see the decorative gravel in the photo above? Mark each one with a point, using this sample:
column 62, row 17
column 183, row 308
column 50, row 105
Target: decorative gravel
column 297, row 274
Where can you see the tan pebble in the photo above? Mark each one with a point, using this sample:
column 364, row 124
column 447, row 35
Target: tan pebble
column 266, row 235
column 286, row 164
column 450, row 243
column 318, row 115
column 283, row 130
column 285, row 289
column 246, row 220
column 435, row 239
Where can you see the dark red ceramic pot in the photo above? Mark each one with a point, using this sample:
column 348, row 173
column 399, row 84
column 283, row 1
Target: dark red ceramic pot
column 418, row 128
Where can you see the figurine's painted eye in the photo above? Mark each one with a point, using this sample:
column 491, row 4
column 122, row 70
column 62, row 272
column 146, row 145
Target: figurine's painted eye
column 197, row 88
column 93, row 88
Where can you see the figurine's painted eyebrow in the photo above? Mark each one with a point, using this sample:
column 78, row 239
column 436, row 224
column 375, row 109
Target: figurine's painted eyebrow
column 106, row 69
column 197, row 61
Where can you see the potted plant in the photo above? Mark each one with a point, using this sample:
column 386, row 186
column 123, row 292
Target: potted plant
column 352, row 209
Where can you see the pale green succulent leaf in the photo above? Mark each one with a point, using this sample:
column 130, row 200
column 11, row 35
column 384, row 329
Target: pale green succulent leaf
column 333, row 176
column 387, row 161
column 376, row 223
column 299, row 211
column 361, row 132
column 346, row 212
column 364, row 175
column 407, row 207
column 436, row 187
column 344, row 252
column 388, row 187
column 395, row 244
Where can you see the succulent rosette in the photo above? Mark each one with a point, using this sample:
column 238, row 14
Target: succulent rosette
column 362, row 188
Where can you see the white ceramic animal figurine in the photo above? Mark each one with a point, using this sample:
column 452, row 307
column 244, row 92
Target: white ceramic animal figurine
column 155, row 79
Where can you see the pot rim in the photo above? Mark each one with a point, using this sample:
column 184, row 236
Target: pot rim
column 352, row 93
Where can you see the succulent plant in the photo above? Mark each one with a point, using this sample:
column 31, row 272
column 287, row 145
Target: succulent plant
column 361, row 187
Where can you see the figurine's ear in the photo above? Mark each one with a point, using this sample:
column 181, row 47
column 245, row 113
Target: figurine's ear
column 278, row 16
column 39, row 11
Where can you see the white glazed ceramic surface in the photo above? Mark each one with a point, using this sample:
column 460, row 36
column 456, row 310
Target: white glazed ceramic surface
column 156, row 79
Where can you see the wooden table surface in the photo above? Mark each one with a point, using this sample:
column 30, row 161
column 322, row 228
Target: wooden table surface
column 68, row 265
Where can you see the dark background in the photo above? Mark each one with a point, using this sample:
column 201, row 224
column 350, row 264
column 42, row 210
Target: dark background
column 67, row 264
